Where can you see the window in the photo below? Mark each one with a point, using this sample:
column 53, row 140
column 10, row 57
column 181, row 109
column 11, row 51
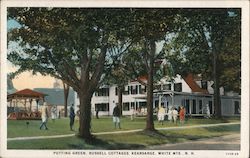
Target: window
column 126, row 90
column 125, row 106
column 102, row 92
column 194, row 107
column 142, row 89
column 236, row 107
column 142, row 104
column 130, row 89
column 178, row 87
column 167, row 87
column 187, row 106
column 203, row 84
column 133, row 89
column 210, row 104
column 102, row 106
column 200, row 106
column 132, row 105
column 157, row 87
column 156, row 103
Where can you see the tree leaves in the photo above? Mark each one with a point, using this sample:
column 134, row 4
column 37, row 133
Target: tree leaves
column 201, row 31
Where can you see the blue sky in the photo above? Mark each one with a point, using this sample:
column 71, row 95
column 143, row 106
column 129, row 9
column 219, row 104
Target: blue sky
column 12, row 24
column 26, row 79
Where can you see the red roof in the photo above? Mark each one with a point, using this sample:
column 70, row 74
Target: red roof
column 141, row 78
column 27, row 93
column 189, row 79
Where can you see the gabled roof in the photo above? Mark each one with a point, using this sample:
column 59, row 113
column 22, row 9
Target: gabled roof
column 141, row 79
column 27, row 93
column 189, row 79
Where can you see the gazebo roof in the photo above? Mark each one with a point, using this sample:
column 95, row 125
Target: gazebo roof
column 26, row 93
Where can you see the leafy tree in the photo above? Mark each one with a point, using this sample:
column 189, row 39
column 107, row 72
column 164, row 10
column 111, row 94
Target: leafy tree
column 118, row 76
column 149, row 27
column 208, row 43
column 70, row 44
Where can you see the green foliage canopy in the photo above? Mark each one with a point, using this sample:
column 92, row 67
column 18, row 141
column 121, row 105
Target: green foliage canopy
column 202, row 32
column 71, row 44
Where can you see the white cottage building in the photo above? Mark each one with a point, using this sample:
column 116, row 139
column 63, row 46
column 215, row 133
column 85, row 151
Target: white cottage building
column 195, row 95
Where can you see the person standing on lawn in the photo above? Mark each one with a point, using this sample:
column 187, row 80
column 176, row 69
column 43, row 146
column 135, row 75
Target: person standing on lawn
column 175, row 115
column 116, row 116
column 207, row 111
column 170, row 114
column 133, row 114
column 96, row 113
column 182, row 115
column 53, row 113
column 161, row 114
column 44, row 116
column 72, row 117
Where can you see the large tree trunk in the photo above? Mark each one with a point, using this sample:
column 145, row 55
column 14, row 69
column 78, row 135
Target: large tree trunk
column 120, row 91
column 150, row 119
column 216, row 96
column 86, row 90
column 85, row 115
column 66, row 94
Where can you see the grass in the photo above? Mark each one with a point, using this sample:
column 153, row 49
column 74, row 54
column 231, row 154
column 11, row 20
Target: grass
column 137, row 140
column 18, row 128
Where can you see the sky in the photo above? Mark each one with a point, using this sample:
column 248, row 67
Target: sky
column 26, row 79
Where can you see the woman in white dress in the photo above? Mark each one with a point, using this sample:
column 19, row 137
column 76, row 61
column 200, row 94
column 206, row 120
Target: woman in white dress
column 175, row 115
column 44, row 115
column 161, row 115
column 170, row 114
column 53, row 113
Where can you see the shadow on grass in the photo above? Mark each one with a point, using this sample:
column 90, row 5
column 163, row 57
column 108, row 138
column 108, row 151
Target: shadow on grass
column 232, row 128
column 171, row 138
column 135, row 141
column 96, row 143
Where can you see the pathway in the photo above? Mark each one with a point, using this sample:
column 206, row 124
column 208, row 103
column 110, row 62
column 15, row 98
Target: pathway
column 227, row 142
column 127, row 131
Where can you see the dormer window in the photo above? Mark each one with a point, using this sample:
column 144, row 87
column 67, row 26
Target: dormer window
column 167, row 87
column 203, row 84
column 178, row 87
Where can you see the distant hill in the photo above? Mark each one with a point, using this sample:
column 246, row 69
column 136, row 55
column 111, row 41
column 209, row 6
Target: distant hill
column 55, row 96
column 10, row 87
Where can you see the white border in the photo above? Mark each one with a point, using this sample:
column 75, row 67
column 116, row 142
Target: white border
column 245, row 80
column 3, row 115
column 244, row 152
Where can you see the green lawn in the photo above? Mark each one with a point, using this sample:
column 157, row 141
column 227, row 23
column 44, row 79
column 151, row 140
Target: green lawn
column 137, row 140
column 18, row 128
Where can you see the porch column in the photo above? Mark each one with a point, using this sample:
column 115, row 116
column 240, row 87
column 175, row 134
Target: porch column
column 25, row 104
column 37, row 101
column 172, row 98
column 30, row 104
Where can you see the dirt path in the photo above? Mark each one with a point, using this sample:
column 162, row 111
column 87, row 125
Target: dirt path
column 227, row 142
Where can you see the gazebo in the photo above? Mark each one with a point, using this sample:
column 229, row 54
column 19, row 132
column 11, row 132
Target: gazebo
column 24, row 96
